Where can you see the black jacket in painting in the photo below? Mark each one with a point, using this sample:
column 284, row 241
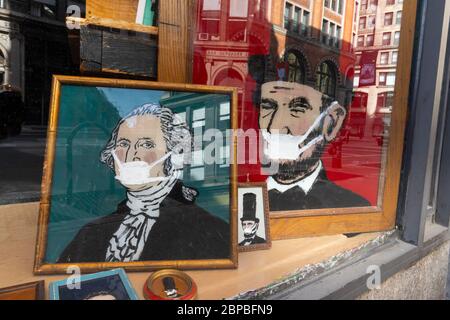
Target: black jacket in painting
column 183, row 231
column 324, row 194
column 255, row 240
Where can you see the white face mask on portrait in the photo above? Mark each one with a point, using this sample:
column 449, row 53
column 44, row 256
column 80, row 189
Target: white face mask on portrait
column 138, row 172
column 286, row 146
column 250, row 231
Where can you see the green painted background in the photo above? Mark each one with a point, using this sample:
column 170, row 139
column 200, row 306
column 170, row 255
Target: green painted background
column 83, row 188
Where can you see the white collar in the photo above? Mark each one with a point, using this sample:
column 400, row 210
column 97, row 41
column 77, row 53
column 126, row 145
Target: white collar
column 304, row 184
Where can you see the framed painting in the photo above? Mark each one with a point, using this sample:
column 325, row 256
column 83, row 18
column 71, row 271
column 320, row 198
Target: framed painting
column 253, row 213
column 106, row 285
column 331, row 120
column 138, row 175
column 27, row 291
column 358, row 142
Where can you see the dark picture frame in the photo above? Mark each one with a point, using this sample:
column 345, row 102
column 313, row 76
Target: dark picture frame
column 27, row 291
column 256, row 214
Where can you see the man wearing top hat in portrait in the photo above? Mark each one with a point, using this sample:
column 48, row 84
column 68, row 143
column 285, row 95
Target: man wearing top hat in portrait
column 250, row 222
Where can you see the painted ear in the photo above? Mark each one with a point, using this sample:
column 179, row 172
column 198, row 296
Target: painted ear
column 333, row 122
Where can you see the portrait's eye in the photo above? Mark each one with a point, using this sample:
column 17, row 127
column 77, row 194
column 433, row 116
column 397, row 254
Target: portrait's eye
column 267, row 106
column 147, row 144
column 123, row 144
column 298, row 108
column 267, row 109
column 296, row 112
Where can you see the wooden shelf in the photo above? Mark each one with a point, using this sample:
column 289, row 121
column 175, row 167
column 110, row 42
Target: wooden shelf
column 257, row 269
column 116, row 24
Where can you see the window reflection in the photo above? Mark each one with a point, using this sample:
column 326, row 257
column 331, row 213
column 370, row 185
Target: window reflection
column 326, row 79
column 344, row 49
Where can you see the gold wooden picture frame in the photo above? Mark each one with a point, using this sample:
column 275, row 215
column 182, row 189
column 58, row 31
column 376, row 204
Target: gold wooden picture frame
column 26, row 291
column 44, row 265
column 258, row 210
column 305, row 223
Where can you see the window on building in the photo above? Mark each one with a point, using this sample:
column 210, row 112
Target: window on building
column 369, row 40
column 394, row 57
column 210, row 20
column 326, row 79
column 385, row 100
column 384, row 58
column 397, row 38
column 360, row 41
column 211, row 5
column 390, row 79
column 296, row 72
column 305, row 23
column 382, row 79
column 325, row 31
column 296, row 19
column 387, row 79
column 373, row 4
column 362, row 23
column 287, row 16
column 371, row 20
column 363, row 4
column 335, row 5
column 387, row 39
column 398, row 18
column 44, row 8
column 356, row 81
column 388, row 18
column 331, row 34
column 238, row 9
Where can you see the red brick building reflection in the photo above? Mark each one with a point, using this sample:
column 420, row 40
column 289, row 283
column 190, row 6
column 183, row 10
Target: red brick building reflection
column 304, row 41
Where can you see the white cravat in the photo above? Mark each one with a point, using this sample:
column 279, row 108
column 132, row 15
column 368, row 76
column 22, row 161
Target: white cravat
column 129, row 240
column 305, row 184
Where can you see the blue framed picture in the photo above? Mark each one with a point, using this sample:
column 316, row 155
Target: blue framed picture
column 106, row 285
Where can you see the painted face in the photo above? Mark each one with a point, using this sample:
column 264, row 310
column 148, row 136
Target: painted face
column 250, row 228
column 292, row 109
column 140, row 139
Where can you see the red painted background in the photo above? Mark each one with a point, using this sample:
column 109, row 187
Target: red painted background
column 351, row 162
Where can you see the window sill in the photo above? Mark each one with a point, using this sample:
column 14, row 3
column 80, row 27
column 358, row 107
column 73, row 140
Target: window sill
column 259, row 269
column 349, row 280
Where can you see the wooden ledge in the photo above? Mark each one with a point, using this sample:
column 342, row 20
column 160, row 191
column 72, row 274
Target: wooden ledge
column 258, row 269
column 117, row 24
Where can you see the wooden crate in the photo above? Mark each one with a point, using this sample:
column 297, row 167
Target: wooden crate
column 104, row 49
column 119, row 10
column 166, row 55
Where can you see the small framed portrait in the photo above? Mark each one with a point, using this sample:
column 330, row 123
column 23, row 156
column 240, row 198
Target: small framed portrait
column 130, row 180
column 27, row 291
column 106, row 285
column 253, row 213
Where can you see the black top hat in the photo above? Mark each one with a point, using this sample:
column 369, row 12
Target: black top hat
column 249, row 208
